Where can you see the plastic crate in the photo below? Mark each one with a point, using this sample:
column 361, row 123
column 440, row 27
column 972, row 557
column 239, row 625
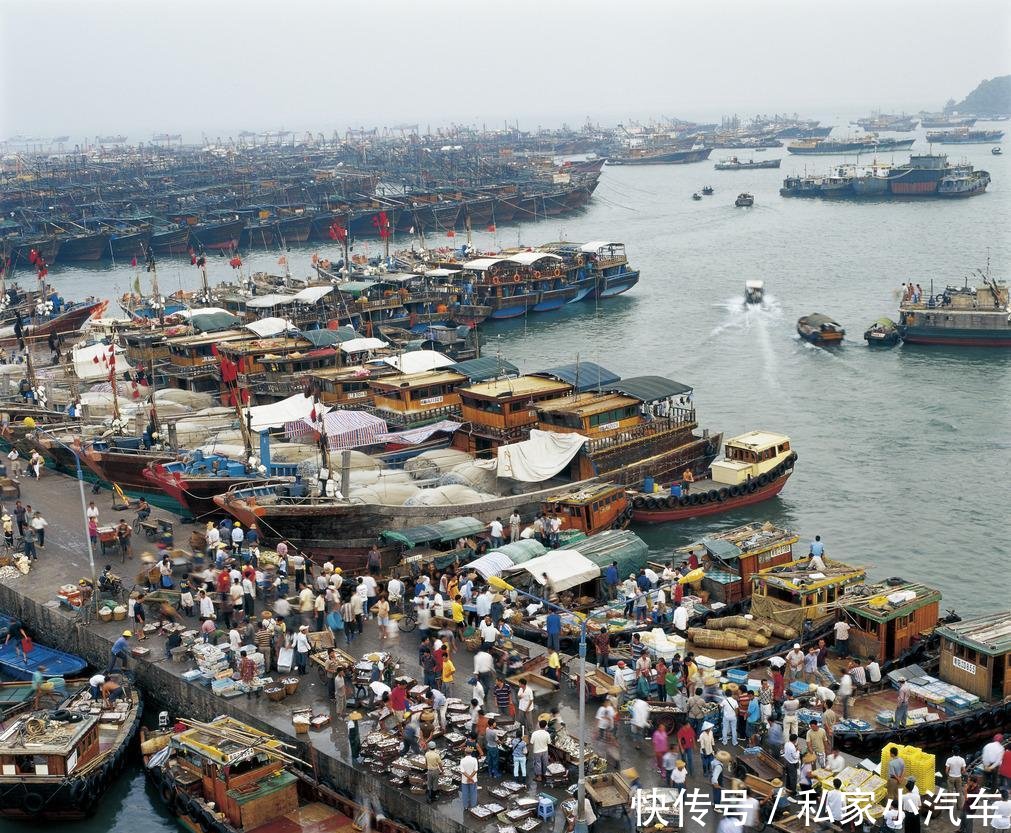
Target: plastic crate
column 737, row 675
column 798, row 687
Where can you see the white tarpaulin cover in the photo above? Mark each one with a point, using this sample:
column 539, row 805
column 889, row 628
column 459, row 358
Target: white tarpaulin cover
column 276, row 414
column 358, row 345
column 418, row 361
column 92, row 362
column 535, row 460
column 565, row 569
column 265, row 301
column 189, row 313
column 265, row 327
column 311, row 294
column 413, row 436
column 491, row 564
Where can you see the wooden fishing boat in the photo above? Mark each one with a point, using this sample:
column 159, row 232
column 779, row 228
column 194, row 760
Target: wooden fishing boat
column 967, row 701
column 68, row 321
column 227, row 777
column 820, row 329
column 755, row 468
column 56, row 765
column 882, row 333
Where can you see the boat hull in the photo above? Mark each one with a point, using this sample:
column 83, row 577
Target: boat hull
column 129, row 245
column 171, row 242
column 676, row 513
column 84, row 248
column 57, row 663
column 217, row 236
column 956, row 338
column 66, row 323
column 196, row 494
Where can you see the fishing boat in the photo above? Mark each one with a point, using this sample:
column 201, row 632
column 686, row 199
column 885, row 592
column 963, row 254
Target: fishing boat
column 755, row 468
column 696, row 196
column 754, row 291
column 17, row 665
column 735, row 164
column 744, row 200
column 68, row 320
column 965, row 136
column 865, row 144
column 227, row 777
column 661, row 156
column 820, row 329
column 882, row 333
column 56, row 765
column 966, row 701
column 707, row 191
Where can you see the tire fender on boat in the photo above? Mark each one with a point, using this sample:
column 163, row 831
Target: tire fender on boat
column 683, row 500
column 32, row 803
column 168, row 796
column 752, row 487
column 638, row 501
column 724, row 493
column 713, row 495
column 763, row 480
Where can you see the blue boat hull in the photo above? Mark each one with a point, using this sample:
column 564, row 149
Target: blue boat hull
column 617, row 284
column 57, row 663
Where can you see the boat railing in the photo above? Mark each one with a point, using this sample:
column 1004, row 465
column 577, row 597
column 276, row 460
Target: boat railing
column 188, row 371
column 681, row 418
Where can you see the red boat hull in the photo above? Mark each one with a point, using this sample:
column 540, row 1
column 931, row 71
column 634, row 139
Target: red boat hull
column 66, row 323
column 716, row 507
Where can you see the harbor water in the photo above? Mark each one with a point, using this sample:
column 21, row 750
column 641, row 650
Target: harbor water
column 903, row 454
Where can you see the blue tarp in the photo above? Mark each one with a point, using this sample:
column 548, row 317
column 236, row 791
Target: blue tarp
column 584, row 376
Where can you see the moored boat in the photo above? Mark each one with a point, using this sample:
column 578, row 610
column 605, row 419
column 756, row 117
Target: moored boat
column 56, row 765
column 68, row 320
column 820, row 329
column 17, row 665
column 960, row 316
column 882, row 333
column 965, row 136
column 661, row 156
column 735, row 164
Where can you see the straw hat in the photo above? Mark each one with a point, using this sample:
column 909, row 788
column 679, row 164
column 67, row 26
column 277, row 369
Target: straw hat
column 355, row 716
column 267, row 614
column 723, row 757
column 776, row 783
column 808, row 758
column 373, row 657
column 732, row 688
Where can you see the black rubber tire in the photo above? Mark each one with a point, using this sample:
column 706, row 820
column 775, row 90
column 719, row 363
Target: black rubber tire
column 763, row 480
column 713, row 495
column 735, row 491
column 752, row 487
column 651, row 503
column 724, row 493
column 683, row 500
column 638, row 502
column 168, row 797
column 703, row 500
column 671, row 502
column 32, row 803
column 693, row 500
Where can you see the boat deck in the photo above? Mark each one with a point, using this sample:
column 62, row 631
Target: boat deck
column 308, row 818
column 869, row 706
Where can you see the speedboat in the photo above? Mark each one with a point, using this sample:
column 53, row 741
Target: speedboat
column 744, row 200
column 753, row 292
column 820, row 329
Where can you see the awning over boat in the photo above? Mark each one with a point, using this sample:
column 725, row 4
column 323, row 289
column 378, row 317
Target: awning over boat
column 95, row 361
column 277, row 414
column 414, row 436
column 360, row 345
column 418, row 361
column 483, row 264
column 484, row 368
column 537, row 459
column 595, row 246
column 203, row 321
column 444, row 531
column 723, row 550
column 441, row 273
column 270, row 326
column 565, row 569
column 583, row 376
column 650, row 388
column 494, row 563
column 520, row 552
column 620, row 545
column 530, row 258
column 311, row 294
column 328, row 337
column 267, row 301
column 343, row 429
column 190, row 313
column 355, row 287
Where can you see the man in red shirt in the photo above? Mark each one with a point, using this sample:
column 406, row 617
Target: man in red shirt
column 778, row 685
column 686, row 746
column 661, row 675
column 398, row 699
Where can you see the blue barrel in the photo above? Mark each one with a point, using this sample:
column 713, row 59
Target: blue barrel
column 647, row 485
column 675, row 490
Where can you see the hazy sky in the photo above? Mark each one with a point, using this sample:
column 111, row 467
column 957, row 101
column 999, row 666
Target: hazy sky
column 87, row 66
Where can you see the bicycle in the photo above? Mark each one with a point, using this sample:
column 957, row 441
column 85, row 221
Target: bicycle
column 408, row 620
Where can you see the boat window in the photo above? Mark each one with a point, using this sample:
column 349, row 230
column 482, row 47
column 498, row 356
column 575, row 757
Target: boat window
column 783, row 447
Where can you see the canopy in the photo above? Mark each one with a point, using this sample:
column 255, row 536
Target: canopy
column 530, row 258
column 521, row 551
column 650, row 388
column 343, row 429
column 418, row 361
column 92, row 361
column 311, row 294
column 414, row 436
column 595, row 246
column 204, row 321
column 360, row 345
column 443, row 531
column 269, row 326
column 484, row 368
column 190, row 313
column 620, row 545
column 565, row 569
column 583, row 376
column 483, row 263
column 272, row 300
column 537, row 459
column 494, row 563
column 355, row 287
column 441, row 273
column 328, row 337
column 723, row 550
column 276, row 414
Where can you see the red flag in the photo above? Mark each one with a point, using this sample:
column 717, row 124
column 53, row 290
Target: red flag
column 451, row 233
column 491, row 227
column 133, row 261
column 33, row 257
column 382, row 222
column 193, row 259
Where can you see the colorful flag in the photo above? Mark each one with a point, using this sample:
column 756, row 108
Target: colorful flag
column 491, row 227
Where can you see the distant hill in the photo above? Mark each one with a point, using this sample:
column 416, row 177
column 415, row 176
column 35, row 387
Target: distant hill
column 990, row 98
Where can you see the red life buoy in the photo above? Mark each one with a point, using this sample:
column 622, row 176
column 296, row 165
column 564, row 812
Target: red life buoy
column 558, row 271
column 537, row 275
column 516, row 277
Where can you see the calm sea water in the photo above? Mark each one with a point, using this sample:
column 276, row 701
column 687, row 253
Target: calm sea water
column 904, row 453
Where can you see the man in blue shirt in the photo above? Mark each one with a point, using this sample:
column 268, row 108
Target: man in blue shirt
column 643, row 581
column 554, row 628
column 120, row 651
column 817, row 547
column 611, row 581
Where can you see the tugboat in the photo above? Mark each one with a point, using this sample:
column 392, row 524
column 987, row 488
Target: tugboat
column 744, row 200
column 696, row 196
column 708, row 190
column 882, row 333
column 820, row 329
column 754, row 291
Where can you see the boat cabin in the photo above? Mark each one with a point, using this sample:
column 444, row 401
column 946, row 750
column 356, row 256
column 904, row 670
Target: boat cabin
column 58, row 750
column 338, row 386
column 503, row 410
column 249, row 784
column 194, row 363
column 731, row 558
column 749, row 456
column 888, row 619
column 792, row 593
column 415, row 398
column 754, row 291
column 976, row 655
column 591, row 509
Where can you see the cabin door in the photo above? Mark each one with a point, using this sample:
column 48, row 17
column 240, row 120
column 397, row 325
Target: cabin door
column 997, row 677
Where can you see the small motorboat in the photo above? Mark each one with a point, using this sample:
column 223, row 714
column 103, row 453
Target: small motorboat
column 744, row 200
column 882, row 333
column 17, row 665
column 996, row 151
column 820, row 329
column 707, row 191
column 754, row 292
column 696, row 196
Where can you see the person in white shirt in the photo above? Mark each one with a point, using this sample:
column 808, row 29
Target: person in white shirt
column 639, row 718
column 489, row 633
column 844, row 693
column 206, row 606
column 893, row 817
column 911, row 807
column 835, row 762
column 468, row 779
column 795, row 662
column 680, row 621
column 395, row 590
column 842, row 637
column 678, row 776
column 729, row 710
column 483, row 604
column 993, row 754
column 729, row 824
column 873, row 671
column 953, row 768
column 792, row 758
column 1001, row 812
column 514, row 526
column 495, row 529
column 539, row 742
column 834, row 802
column 525, row 705
column 234, row 641
column 484, row 668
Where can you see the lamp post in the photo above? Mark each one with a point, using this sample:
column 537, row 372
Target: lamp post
column 501, row 584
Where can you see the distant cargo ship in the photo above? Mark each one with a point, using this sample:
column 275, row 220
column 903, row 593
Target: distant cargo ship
column 932, row 120
column 883, row 121
column 965, row 136
column 924, row 175
column 660, row 156
column 735, row 164
column 867, row 144
column 960, row 316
